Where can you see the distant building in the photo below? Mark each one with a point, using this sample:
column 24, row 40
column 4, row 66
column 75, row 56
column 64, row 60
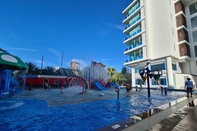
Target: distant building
column 74, row 65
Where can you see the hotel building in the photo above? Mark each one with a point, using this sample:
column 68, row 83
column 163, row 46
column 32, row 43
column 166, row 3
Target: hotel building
column 74, row 65
column 164, row 34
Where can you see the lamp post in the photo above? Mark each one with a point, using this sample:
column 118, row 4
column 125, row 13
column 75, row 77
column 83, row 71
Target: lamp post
column 148, row 74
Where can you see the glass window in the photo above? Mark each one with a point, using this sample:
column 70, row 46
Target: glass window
column 137, row 53
column 194, row 34
column 130, row 11
column 132, row 54
column 163, row 81
column 140, row 38
column 137, row 40
column 174, row 66
column 153, row 82
column 132, row 42
column 158, row 67
column 195, row 51
column 194, row 22
column 193, row 8
column 137, row 81
column 140, row 52
column 136, row 70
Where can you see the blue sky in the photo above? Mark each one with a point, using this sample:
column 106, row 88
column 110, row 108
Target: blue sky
column 83, row 30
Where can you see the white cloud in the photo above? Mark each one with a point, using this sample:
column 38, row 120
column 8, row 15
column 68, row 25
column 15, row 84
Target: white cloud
column 108, row 59
column 23, row 49
column 55, row 52
column 105, row 59
column 120, row 26
column 38, row 61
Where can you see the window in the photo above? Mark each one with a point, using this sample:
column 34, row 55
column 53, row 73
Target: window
column 194, row 22
column 158, row 67
column 137, row 81
column 195, row 51
column 136, row 70
column 163, row 81
column 140, row 52
column 132, row 54
column 193, row 8
column 153, row 82
column 194, row 34
column 137, row 53
column 174, row 67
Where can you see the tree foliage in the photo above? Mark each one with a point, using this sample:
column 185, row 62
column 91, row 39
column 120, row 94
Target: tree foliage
column 111, row 71
column 49, row 70
column 31, row 67
column 126, row 72
column 101, row 64
column 118, row 78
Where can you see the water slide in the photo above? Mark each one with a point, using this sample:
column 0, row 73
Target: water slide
column 98, row 85
column 113, row 84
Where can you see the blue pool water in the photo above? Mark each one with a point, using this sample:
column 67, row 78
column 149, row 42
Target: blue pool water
column 34, row 114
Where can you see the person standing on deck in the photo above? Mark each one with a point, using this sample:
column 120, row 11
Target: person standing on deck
column 189, row 86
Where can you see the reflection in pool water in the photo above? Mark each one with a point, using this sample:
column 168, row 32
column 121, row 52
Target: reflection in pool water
column 35, row 114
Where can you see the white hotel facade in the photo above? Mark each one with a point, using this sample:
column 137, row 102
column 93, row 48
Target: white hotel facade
column 164, row 33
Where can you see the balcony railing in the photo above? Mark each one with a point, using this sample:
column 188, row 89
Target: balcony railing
column 134, row 58
column 135, row 21
column 132, row 11
column 133, row 46
column 131, row 35
column 136, row 8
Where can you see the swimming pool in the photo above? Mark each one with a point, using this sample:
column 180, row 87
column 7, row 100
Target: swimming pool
column 34, row 114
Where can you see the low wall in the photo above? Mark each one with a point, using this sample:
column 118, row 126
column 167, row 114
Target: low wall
column 179, row 80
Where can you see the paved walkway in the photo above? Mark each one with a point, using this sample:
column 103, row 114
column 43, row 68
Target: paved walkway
column 188, row 123
column 180, row 117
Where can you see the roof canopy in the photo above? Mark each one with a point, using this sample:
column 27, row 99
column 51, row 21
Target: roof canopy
column 11, row 62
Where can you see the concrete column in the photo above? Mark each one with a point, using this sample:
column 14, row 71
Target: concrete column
column 132, row 77
column 169, row 72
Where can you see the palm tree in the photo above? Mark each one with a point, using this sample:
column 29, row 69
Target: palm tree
column 111, row 71
column 49, row 70
column 118, row 78
column 32, row 67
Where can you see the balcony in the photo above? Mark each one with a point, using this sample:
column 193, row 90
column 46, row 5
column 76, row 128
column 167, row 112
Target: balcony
column 132, row 12
column 133, row 46
column 132, row 35
column 134, row 58
column 132, row 23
